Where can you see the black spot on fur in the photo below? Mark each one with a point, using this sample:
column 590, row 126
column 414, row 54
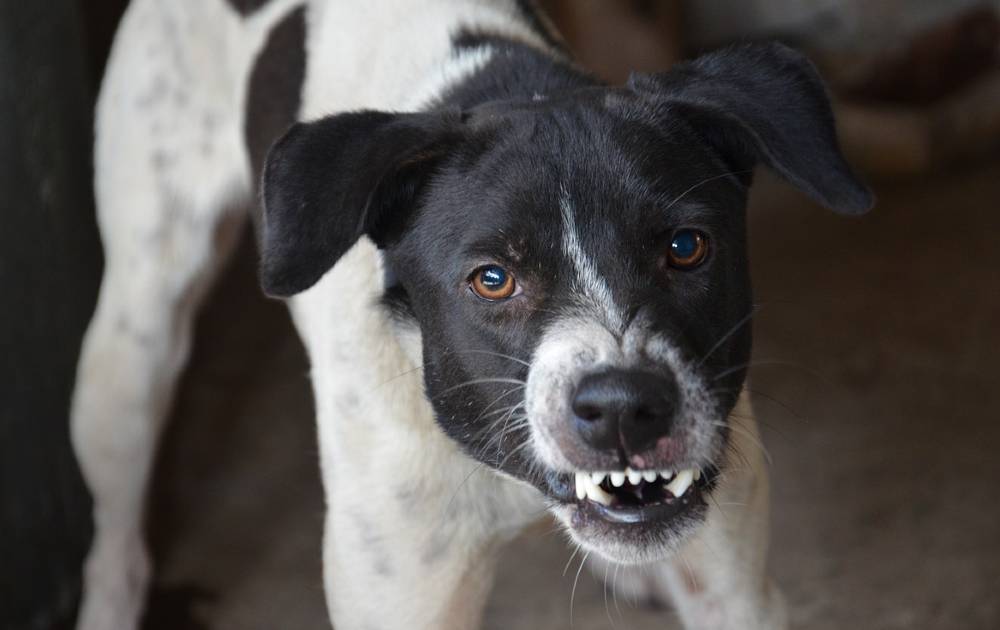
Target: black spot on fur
column 246, row 7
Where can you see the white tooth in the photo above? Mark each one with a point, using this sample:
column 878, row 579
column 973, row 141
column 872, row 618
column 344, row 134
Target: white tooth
column 649, row 475
column 617, row 479
column 597, row 477
column 697, row 475
column 666, row 474
column 681, row 482
column 597, row 495
column 634, row 476
column 581, row 485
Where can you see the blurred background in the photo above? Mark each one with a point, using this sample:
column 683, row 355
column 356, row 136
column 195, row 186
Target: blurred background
column 875, row 375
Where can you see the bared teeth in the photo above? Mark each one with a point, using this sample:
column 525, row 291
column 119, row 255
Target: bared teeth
column 598, row 495
column 681, row 482
column 588, row 484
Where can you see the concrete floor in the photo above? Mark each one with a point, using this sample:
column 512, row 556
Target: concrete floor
column 877, row 381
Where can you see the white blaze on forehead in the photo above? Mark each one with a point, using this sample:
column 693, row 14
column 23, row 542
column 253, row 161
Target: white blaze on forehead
column 592, row 285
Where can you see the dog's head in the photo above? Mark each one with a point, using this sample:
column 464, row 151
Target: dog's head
column 576, row 267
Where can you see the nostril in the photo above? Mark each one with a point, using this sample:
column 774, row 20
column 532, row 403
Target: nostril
column 645, row 415
column 590, row 413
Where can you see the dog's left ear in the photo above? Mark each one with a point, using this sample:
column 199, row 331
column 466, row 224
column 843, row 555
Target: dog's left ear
column 763, row 103
column 329, row 182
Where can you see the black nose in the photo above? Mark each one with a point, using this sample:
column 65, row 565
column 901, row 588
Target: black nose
column 624, row 409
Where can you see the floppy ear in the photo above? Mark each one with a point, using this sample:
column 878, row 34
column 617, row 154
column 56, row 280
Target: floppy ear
column 327, row 183
column 764, row 103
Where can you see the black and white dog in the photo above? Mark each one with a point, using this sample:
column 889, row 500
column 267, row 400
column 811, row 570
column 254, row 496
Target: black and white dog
column 519, row 289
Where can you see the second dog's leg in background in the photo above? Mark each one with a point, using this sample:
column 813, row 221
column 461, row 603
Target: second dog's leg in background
column 170, row 173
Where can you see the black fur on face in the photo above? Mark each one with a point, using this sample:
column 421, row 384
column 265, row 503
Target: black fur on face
column 498, row 201
column 495, row 177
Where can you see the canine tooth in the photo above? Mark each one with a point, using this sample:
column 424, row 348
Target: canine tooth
column 617, row 479
column 597, row 495
column 634, row 476
column 681, row 482
column 649, row 475
column 581, row 485
column 597, row 477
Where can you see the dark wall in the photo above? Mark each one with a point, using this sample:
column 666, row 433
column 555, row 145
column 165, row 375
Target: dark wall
column 50, row 265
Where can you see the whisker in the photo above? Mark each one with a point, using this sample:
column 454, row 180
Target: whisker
column 772, row 399
column 607, row 608
column 732, row 426
column 732, row 331
column 702, row 183
column 512, row 453
column 457, row 489
column 572, row 595
column 614, row 590
column 576, row 550
column 498, row 437
column 452, row 352
column 503, row 431
column 493, row 354
column 498, row 399
column 480, row 381
column 773, row 362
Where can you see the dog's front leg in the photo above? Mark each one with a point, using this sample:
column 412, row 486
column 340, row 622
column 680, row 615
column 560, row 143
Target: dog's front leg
column 413, row 545
column 718, row 580
column 412, row 524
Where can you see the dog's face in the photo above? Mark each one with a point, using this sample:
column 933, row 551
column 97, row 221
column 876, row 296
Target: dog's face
column 576, row 267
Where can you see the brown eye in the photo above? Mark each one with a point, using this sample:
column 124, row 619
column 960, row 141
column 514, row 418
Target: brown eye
column 493, row 282
column 688, row 249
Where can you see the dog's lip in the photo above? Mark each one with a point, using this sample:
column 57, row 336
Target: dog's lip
column 646, row 514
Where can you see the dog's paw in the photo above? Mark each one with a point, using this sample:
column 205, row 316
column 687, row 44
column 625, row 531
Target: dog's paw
column 115, row 580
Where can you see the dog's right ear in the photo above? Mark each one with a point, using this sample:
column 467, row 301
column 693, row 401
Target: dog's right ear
column 327, row 183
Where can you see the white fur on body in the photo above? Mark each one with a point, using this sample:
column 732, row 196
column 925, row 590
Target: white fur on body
column 172, row 177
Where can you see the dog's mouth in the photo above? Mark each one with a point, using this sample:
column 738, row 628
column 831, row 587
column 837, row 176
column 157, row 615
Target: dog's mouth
column 631, row 497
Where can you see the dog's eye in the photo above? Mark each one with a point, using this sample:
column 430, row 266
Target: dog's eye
column 688, row 249
column 492, row 282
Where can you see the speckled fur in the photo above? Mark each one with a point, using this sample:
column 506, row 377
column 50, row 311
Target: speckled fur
column 172, row 171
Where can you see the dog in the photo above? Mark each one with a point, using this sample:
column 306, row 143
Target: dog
column 520, row 290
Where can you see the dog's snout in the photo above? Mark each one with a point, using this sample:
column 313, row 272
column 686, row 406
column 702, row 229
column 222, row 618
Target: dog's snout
column 624, row 409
